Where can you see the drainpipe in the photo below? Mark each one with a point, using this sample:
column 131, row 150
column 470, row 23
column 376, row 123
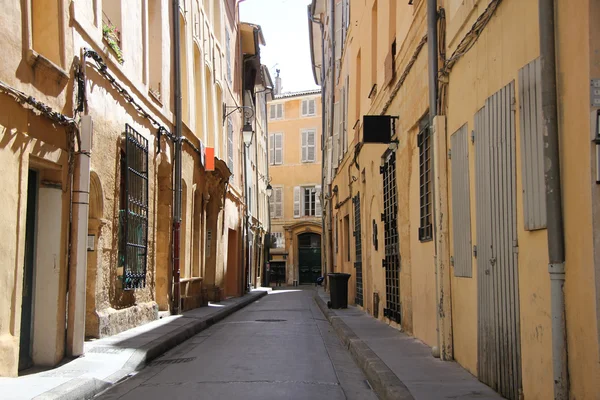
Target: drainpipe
column 79, row 230
column 331, row 116
column 324, row 244
column 177, row 184
column 432, row 40
column 554, row 217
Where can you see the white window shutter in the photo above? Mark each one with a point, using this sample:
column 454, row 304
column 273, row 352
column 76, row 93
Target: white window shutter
column 297, row 202
column 318, row 209
column 272, row 149
column 278, row 149
column 304, row 146
column 279, row 111
column 338, row 30
column 311, row 107
column 304, row 107
column 279, row 203
column 310, row 144
column 273, row 111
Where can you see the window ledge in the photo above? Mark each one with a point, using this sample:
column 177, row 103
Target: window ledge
column 39, row 62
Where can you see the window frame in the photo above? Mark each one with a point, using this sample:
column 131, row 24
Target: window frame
column 304, row 144
column 277, row 107
column 308, row 102
column 273, row 148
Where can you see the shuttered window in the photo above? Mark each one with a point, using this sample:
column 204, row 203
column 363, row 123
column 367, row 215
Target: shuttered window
column 276, row 203
column 532, row 146
column 278, row 240
column 307, row 201
column 230, row 146
column 276, row 149
column 228, row 54
column 461, row 204
column 309, row 108
column 308, row 145
column 276, row 111
column 425, row 195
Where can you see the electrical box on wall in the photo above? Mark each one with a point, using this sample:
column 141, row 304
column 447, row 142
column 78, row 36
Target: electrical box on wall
column 91, row 242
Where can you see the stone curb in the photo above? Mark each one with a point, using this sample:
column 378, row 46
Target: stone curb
column 385, row 383
column 87, row 388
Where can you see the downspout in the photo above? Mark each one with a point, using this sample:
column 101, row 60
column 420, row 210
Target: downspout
column 432, row 47
column 329, row 260
column 554, row 217
column 177, row 184
column 324, row 244
column 79, row 230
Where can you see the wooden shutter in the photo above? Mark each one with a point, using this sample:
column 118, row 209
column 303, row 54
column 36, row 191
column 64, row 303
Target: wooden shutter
column 280, row 111
column 304, row 107
column 532, row 146
column 338, row 30
column 297, row 202
column 273, row 111
column 311, row 107
column 310, row 146
column 278, row 148
column 272, row 149
column 318, row 208
column 304, row 146
column 279, row 202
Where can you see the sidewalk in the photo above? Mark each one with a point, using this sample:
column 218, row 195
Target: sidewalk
column 109, row 360
column 399, row 366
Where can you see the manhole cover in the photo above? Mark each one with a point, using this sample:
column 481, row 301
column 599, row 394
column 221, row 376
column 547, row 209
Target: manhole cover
column 173, row 361
column 271, row 320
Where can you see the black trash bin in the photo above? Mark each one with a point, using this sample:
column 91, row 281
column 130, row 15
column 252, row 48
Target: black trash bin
column 338, row 288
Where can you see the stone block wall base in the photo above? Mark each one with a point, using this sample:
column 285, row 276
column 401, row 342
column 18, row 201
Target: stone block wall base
column 112, row 321
column 9, row 355
column 191, row 302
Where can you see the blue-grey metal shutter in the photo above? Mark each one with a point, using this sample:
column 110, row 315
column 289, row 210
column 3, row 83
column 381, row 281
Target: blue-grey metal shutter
column 532, row 146
column 461, row 204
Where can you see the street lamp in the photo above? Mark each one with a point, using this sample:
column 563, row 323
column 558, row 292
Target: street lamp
column 247, row 133
column 269, row 190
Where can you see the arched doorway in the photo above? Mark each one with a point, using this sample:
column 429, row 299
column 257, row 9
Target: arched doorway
column 309, row 257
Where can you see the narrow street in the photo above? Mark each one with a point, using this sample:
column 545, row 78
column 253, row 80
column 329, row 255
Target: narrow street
column 281, row 346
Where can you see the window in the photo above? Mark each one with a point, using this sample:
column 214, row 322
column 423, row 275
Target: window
column 278, row 236
column 347, row 232
column 228, row 54
column 276, row 203
column 309, row 108
column 276, row 149
column 134, row 210
column 308, row 145
column 230, row 146
column 306, row 201
column 276, row 111
column 425, row 200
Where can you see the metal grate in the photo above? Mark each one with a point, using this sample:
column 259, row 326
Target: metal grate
column 391, row 262
column 173, row 361
column 358, row 247
column 134, row 218
column 425, row 198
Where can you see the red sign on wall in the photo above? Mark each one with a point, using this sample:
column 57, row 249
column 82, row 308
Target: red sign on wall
column 210, row 159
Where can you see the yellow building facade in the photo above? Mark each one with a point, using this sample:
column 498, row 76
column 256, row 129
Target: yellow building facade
column 295, row 127
column 451, row 214
column 87, row 143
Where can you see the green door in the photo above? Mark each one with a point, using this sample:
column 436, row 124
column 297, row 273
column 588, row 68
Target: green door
column 27, row 301
column 309, row 257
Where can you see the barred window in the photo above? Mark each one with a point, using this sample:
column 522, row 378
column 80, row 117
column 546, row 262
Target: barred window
column 425, row 193
column 133, row 240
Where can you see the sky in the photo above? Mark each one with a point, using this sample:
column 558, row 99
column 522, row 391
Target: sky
column 285, row 27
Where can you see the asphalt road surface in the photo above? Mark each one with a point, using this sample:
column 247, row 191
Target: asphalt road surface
column 280, row 347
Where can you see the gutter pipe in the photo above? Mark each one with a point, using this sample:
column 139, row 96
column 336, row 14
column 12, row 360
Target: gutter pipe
column 323, row 127
column 177, row 184
column 554, row 216
column 432, row 47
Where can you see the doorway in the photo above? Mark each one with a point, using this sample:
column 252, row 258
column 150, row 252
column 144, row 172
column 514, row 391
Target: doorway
column 309, row 257
column 26, row 336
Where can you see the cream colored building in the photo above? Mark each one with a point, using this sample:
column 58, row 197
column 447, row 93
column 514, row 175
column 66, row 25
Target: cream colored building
column 295, row 127
column 459, row 241
column 93, row 173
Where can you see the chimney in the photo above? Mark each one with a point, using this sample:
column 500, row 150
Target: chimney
column 277, row 83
